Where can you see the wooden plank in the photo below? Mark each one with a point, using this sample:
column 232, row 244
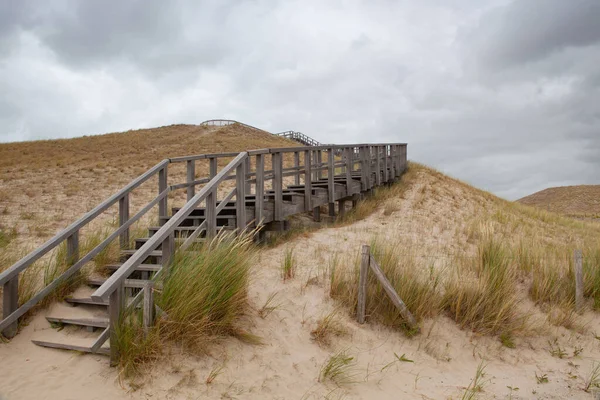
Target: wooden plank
column 297, row 167
column 349, row 163
column 307, row 181
column 93, row 322
column 247, row 169
column 362, row 284
column 115, row 305
column 148, row 307
column 162, row 186
column 167, row 251
column 317, row 214
column 240, row 197
column 377, row 165
column 123, row 218
column 578, row 261
column 85, row 300
column 100, row 340
column 260, row 189
column 211, row 214
column 10, row 303
column 190, row 177
column 391, row 292
column 64, row 346
column 73, row 248
column 385, row 164
column 319, row 164
column 330, row 177
column 277, row 185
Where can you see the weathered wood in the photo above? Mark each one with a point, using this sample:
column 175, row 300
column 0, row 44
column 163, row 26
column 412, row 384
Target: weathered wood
column 212, row 167
column 297, row 166
column 377, row 165
column 65, row 346
column 247, row 169
column 320, row 164
column 190, row 177
column 362, row 284
column 211, row 214
column 240, row 203
column 167, row 251
column 385, row 164
column 115, row 305
column 578, row 261
column 391, row 292
column 330, row 177
column 277, row 185
column 307, row 181
column 331, row 209
column 123, row 218
column 349, row 168
column 167, row 229
column 162, row 186
column 35, row 255
column 10, row 303
column 260, row 189
column 317, row 214
column 342, row 208
column 148, row 307
column 73, row 248
column 392, row 168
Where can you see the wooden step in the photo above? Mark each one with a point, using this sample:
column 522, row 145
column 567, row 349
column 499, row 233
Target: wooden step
column 65, row 346
column 141, row 267
column 93, row 322
column 155, row 253
column 85, row 300
column 131, row 283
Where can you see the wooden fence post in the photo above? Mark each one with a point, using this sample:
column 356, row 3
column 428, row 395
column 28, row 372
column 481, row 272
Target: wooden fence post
column 320, row 162
column 123, row 218
column 247, row 169
column 162, row 186
column 73, row 248
column 168, row 249
column 10, row 303
column 362, row 283
column 190, row 177
column 349, row 161
column 578, row 260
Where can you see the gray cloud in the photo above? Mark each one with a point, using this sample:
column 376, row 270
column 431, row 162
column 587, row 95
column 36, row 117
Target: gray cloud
column 501, row 94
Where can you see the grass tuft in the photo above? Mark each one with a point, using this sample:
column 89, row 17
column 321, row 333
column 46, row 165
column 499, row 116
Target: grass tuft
column 288, row 265
column 340, row 368
column 328, row 326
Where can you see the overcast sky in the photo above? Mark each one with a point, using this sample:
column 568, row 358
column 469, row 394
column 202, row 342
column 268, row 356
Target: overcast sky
column 504, row 95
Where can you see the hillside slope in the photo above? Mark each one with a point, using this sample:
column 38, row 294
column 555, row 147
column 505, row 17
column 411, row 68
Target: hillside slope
column 45, row 185
column 437, row 224
column 578, row 201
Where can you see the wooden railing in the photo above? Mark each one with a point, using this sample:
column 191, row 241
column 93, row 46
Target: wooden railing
column 327, row 173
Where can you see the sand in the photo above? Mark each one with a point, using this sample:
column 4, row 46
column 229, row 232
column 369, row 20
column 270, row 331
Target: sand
column 444, row 357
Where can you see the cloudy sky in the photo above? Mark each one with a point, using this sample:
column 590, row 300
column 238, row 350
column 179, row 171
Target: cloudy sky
column 502, row 94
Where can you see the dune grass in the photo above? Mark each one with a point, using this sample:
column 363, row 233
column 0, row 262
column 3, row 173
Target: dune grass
column 416, row 287
column 203, row 297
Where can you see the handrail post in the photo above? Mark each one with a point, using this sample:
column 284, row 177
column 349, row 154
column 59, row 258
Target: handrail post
column 260, row 189
column 307, row 181
column 385, row 164
column 331, row 182
column 276, row 161
column 10, row 303
column 115, row 305
column 167, row 250
column 320, row 163
column 378, row 165
column 148, row 306
column 211, row 202
column 392, row 164
column 73, row 248
column 240, row 176
column 363, row 168
column 296, row 166
column 348, row 152
column 397, row 153
column 162, row 186
column 191, row 176
column 123, row 218
column 247, row 169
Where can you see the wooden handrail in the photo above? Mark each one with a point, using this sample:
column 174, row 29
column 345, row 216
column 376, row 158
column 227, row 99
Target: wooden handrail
column 35, row 255
column 115, row 280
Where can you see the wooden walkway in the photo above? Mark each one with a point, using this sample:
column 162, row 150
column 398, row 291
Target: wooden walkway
column 269, row 185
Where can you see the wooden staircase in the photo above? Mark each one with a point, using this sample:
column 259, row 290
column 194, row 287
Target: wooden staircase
column 93, row 312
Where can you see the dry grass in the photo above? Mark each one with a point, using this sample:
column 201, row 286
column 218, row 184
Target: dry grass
column 577, row 201
column 328, row 327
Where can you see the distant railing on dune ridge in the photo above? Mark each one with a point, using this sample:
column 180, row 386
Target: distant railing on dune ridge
column 293, row 135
